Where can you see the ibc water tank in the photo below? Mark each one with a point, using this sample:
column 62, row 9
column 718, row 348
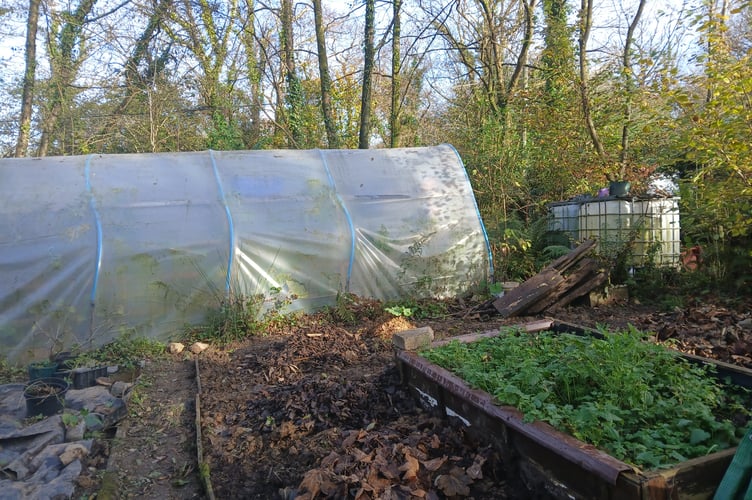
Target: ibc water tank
column 609, row 221
column 658, row 238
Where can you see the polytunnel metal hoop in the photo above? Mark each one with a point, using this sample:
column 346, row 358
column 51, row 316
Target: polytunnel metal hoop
column 231, row 257
column 347, row 216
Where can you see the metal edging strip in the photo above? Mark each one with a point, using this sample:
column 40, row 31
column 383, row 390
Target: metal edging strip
column 222, row 196
column 347, row 216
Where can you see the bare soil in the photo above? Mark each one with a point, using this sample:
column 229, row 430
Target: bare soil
column 316, row 410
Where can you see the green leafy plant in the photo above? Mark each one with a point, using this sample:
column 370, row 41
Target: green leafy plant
column 10, row 373
column 127, row 351
column 342, row 310
column 417, row 309
column 640, row 402
column 399, row 310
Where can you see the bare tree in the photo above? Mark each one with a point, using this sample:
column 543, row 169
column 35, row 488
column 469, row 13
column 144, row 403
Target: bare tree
column 66, row 49
column 369, row 63
column 254, row 67
column 324, row 77
column 586, row 22
column 628, row 87
column 206, row 30
column 24, row 126
column 480, row 33
column 394, row 112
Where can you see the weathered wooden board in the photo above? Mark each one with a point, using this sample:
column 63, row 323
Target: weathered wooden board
column 567, row 278
column 528, row 293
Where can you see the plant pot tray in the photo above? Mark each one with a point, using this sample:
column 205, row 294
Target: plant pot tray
column 549, row 461
column 87, row 376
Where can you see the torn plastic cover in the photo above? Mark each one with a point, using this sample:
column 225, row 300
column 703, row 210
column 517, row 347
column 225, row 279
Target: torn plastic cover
column 92, row 247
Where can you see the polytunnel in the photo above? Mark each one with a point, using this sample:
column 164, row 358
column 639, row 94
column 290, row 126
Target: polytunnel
column 96, row 246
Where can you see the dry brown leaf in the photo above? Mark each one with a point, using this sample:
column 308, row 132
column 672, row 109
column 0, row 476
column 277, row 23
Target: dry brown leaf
column 352, row 436
column 475, row 471
column 330, row 460
column 389, row 470
column 361, row 456
column 453, row 484
column 376, row 482
column 311, row 482
column 435, row 442
column 410, row 468
column 434, row 464
column 286, row 429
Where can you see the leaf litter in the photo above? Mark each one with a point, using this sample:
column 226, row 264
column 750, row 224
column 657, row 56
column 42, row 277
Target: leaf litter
column 316, row 409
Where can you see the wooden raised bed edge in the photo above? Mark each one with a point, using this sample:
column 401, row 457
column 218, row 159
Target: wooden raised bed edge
column 548, row 459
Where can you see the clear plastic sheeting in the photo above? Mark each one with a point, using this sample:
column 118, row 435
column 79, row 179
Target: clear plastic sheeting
column 97, row 246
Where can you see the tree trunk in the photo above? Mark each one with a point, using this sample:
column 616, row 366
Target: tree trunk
column 66, row 52
column 293, row 95
column 586, row 20
column 253, row 68
column 629, row 88
column 24, row 126
column 326, row 82
column 135, row 82
column 394, row 114
column 368, row 65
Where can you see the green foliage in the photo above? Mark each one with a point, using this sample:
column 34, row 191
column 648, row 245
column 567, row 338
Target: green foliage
column 236, row 318
column 522, row 249
column 716, row 192
column 399, row 310
column 240, row 316
column 350, row 309
column 127, row 351
column 224, row 135
column 638, row 401
column 10, row 373
column 342, row 311
column 417, row 309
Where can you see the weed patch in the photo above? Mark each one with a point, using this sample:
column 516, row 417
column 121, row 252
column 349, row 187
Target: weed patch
column 638, row 401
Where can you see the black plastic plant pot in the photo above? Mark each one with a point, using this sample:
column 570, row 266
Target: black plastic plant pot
column 41, row 369
column 619, row 188
column 45, row 396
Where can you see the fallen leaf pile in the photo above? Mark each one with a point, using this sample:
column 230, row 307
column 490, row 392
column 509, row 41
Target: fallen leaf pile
column 317, row 410
column 320, row 412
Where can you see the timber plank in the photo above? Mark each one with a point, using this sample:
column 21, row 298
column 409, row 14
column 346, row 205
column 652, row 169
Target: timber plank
column 519, row 299
column 578, row 280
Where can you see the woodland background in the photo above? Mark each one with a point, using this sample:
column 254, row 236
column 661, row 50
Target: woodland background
column 543, row 99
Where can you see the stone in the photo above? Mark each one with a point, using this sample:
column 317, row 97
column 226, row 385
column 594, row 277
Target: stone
column 414, row 339
column 76, row 431
column 119, row 388
column 73, row 452
column 175, row 347
column 199, row 347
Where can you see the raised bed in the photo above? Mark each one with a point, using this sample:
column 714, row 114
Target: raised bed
column 550, row 461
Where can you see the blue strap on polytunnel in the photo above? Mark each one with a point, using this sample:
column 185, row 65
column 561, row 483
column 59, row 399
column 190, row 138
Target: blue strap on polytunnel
column 347, row 216
column 98, row 223
column 477, row 212
column 230, row 224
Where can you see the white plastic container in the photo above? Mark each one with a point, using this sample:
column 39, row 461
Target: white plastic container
column 608, row 221
column 564, row 217
column 659, row 231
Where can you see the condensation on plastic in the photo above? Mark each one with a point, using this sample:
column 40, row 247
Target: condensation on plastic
column 97, row 246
